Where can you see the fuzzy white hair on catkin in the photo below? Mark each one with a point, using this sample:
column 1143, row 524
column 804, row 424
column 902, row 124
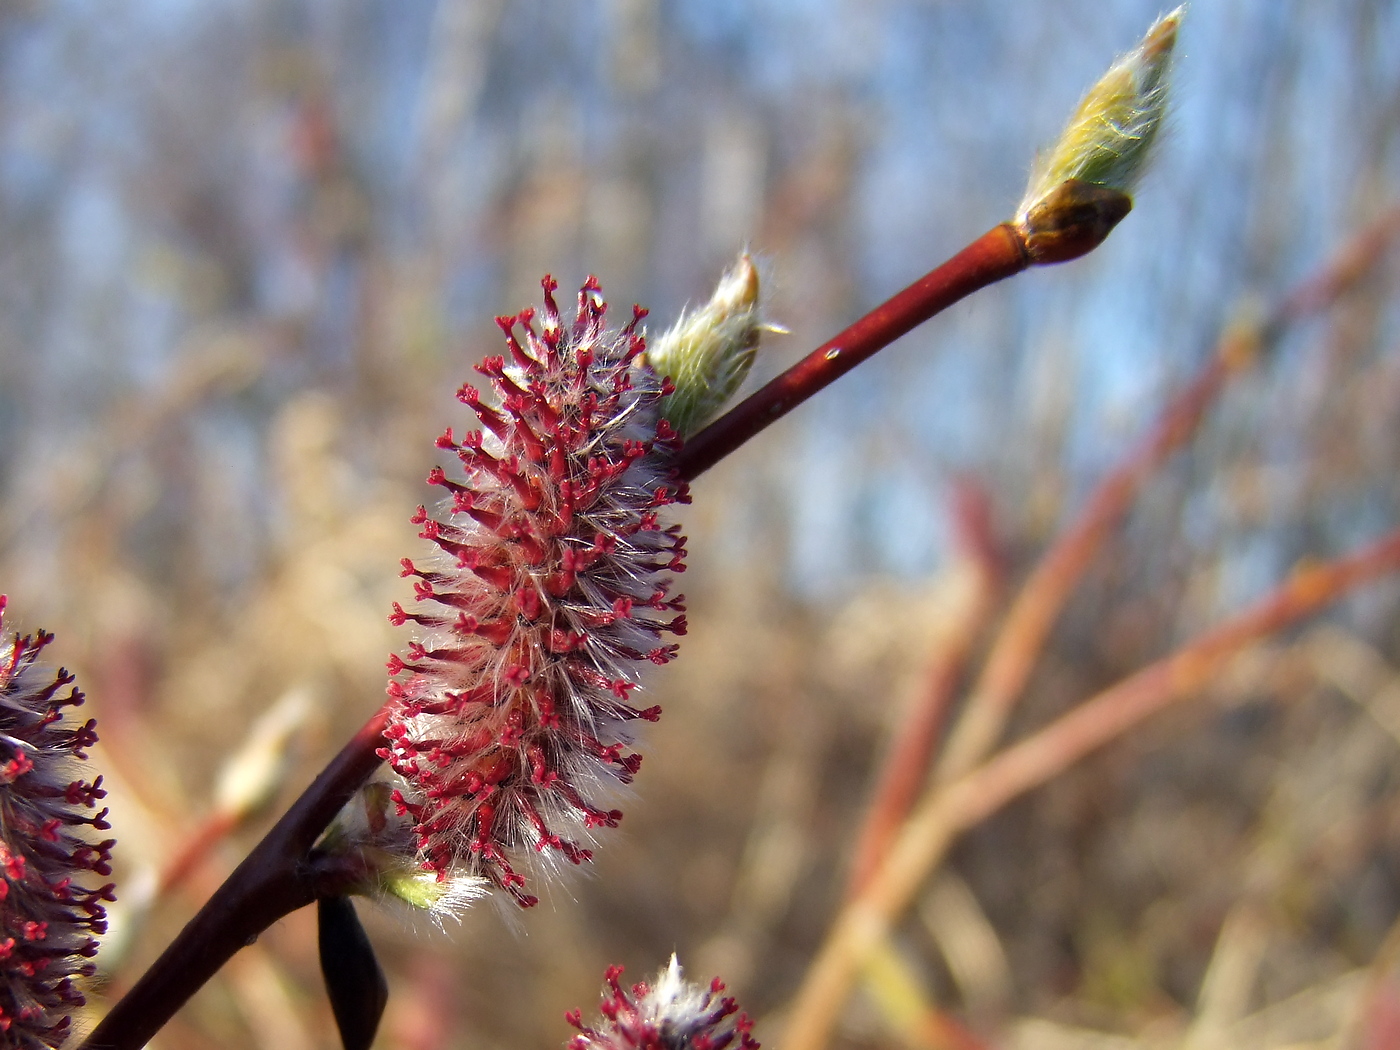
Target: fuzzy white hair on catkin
column 675, row 1001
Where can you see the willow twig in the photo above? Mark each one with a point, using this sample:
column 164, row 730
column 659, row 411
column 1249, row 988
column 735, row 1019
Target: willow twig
column 276, row 878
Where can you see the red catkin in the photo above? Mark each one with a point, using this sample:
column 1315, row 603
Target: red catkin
column 549, row 589
column 49, row 917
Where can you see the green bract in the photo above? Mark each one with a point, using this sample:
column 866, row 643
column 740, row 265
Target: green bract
column 707, row 354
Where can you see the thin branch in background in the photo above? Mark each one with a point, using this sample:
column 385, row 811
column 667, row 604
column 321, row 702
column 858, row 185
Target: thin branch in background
column 215, row 829
column 1352, row 262
column 1022, row 637
column 902, row 1000
column 905, row 769
column 1021, row 640
column 955, row 807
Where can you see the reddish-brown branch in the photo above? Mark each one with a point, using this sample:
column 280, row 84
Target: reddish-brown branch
column 274, row 880
column 1347, row 266
column 997, row 254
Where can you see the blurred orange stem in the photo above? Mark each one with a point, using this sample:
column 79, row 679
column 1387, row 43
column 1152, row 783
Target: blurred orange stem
column 1023, row 634
column 216, row 828
column 957, row 806
column 905, row 770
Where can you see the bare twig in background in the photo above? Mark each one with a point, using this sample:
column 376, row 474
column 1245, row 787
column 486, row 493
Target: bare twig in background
column 906, row 767
column 963, row 803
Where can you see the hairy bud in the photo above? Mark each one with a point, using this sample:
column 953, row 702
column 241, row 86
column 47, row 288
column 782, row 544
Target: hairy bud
column 1079, row 189
column 707, row 353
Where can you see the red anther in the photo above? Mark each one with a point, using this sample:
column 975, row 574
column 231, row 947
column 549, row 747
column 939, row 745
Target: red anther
column 561, row 642
column 492, row 366
column 528, row 603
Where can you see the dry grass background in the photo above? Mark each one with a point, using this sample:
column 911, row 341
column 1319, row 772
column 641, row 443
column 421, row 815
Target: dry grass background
column 234, row 318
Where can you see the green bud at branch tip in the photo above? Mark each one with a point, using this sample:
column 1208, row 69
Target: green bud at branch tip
column 1101, row 153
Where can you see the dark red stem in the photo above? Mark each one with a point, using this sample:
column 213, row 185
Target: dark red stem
column 997, row 254
column 275, row 879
